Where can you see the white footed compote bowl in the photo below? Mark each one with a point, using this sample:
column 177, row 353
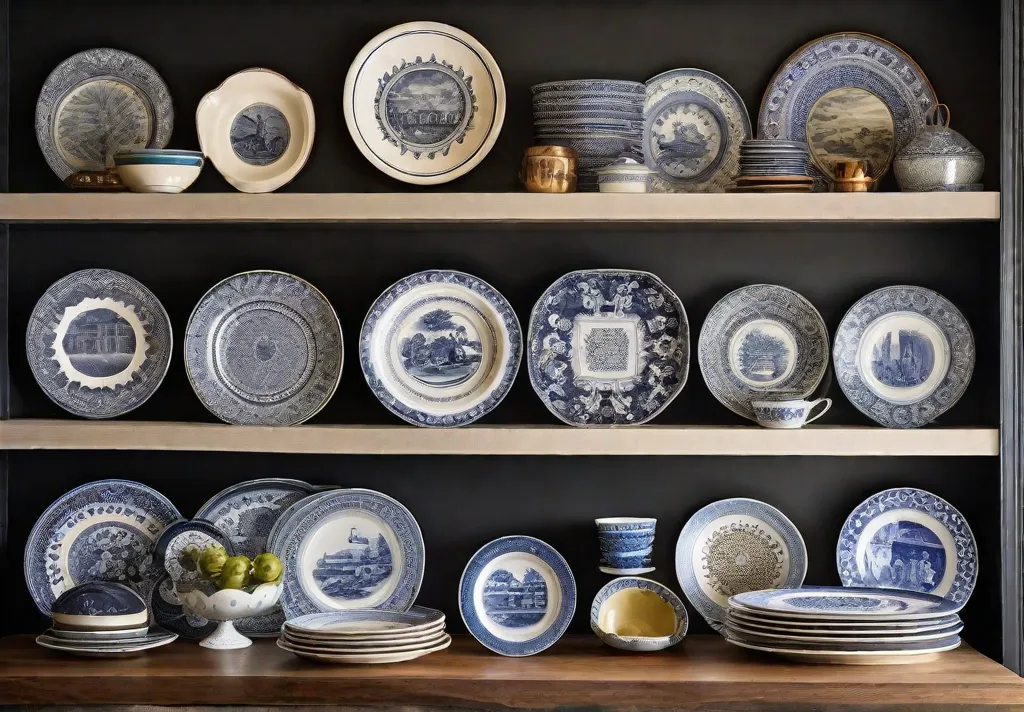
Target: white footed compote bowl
column 226, row 606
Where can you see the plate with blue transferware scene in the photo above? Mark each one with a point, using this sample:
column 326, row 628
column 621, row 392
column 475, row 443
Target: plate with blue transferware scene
column 257, row 128
column 762, row 342
column 517, row 596
column 98, row 343
column 179, row 546
column 346, row 549
column 828, row 603
column 904, row 356
column 168, row 612
column 849, row 96
column 263, row 348
column 440, row 348
column 424, row 102
column 733, row 546
column 97, row 103
column 608, row 347
column 911, row 540
column 694, row 125
column 102, row 531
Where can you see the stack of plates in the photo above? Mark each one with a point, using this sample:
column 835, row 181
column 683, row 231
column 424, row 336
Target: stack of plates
column 768, row 166
column 601, row 118
column 106, row 644
column 865, row 626
column 365, row 636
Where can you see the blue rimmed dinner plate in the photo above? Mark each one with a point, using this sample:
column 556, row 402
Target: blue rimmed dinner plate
column 826, row 603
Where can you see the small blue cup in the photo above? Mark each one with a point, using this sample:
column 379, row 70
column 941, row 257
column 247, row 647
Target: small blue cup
column 626, row 544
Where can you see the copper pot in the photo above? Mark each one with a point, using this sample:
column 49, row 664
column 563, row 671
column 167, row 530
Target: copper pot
column 549, row 169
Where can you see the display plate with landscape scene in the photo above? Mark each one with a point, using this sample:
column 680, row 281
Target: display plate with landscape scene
column 440, row 348
column 517, row 596
column 904, row 355
column 348, row 549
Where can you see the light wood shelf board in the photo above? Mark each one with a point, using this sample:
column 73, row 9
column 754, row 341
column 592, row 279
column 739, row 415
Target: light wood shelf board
column 31, row 434
column 496, row 207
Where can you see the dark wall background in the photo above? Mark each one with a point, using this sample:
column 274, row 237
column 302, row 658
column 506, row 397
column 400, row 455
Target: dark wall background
column 461, row 503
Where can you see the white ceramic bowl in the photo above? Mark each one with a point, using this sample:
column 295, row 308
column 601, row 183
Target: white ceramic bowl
column 226, row 606
column 158, row 170
column 637, row 614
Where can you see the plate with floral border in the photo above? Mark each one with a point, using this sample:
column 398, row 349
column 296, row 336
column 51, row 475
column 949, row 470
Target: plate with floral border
column 911, row 540
column 904, row 355
column 733, row 546
column 101, row 531
column 608, row 347
column 440, row 348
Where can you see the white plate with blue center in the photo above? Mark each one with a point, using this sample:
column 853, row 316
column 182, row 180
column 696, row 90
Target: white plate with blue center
column 762, row 341
column 424, row 102
column 517, row 596
column 827, row 603
column 98, row 343
column 348, row 549
column 904, row 356
column 608, row 347
column 440, row 348
column 911, row 540
column 102, row 531
column 694, row 125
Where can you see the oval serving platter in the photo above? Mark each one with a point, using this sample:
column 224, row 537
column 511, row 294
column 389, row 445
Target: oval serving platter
column 424, row 102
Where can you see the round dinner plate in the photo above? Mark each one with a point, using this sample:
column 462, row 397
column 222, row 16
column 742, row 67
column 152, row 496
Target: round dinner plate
column 167, row 611
column 364, row 625
column 772, row 621
column 904, row 356
column 911, row 540
column 440, row 348
column 829, row 603
column 364, row 658
column 263, row 348
column 424, row 102
column 762, row 340
column 906, row 653
column 517, row 596
column 98, row 343
column 171, row 545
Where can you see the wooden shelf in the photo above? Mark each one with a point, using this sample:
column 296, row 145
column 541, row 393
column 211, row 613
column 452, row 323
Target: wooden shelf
column 424, row 207
column 579, row 671
column 495, row 440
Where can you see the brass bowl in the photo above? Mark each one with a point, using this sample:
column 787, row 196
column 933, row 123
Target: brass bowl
column 549, row 169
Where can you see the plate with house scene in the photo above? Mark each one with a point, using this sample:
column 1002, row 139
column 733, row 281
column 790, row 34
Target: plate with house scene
column 517, row 596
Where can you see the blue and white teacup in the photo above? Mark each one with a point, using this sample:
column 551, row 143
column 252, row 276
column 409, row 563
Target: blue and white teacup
column 788, row 414
column 626, row 544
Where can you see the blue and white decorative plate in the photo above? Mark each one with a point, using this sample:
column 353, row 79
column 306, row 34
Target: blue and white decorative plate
column 834, row 603
column 608, row 347
column 847, row 94
column 737, row 545
column 167, row 611
column 264, row 348
column 169, row 552
column 762, row 340
column 97, row 103
column 694, row 125
column 102, row 531
column 346, row 549
column 387, row 624
column 424, row 102
column 517, row 596
column 98, row 343
column 912, row 540
column 904, row 356
column 440, row 348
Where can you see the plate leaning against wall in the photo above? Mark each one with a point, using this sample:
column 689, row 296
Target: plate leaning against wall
column 97, row 103
column 98, row 343
column 424, row 102
column 904, row 355
column 608, row 347
column 440, row 348
column 264, row 348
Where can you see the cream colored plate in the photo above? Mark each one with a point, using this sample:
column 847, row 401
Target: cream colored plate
column 906, row 657
column 365, row 658
column 387, row 646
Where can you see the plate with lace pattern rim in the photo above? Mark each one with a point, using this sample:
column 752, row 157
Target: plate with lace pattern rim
column 836, row 603
column 921, row 531
column 762, row 535
column 608, row 347
column 777, row 320
column 440, row 348
column 118, row 518
column 914, row 398
column 848, row 61
column 81, row 90
column 264, row 348
column 99, row 343
column 518, row 631
column 317, row 540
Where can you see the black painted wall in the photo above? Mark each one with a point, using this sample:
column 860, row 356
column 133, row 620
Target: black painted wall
column 461, row 503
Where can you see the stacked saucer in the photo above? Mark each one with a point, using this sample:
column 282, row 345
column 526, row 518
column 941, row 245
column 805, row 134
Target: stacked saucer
column 601, row 118
column 865, row 626
column 365, row 636
column 776, row 166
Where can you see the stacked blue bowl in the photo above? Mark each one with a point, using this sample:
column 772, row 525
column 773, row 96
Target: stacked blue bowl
column 626, row 545
column 602, row 119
